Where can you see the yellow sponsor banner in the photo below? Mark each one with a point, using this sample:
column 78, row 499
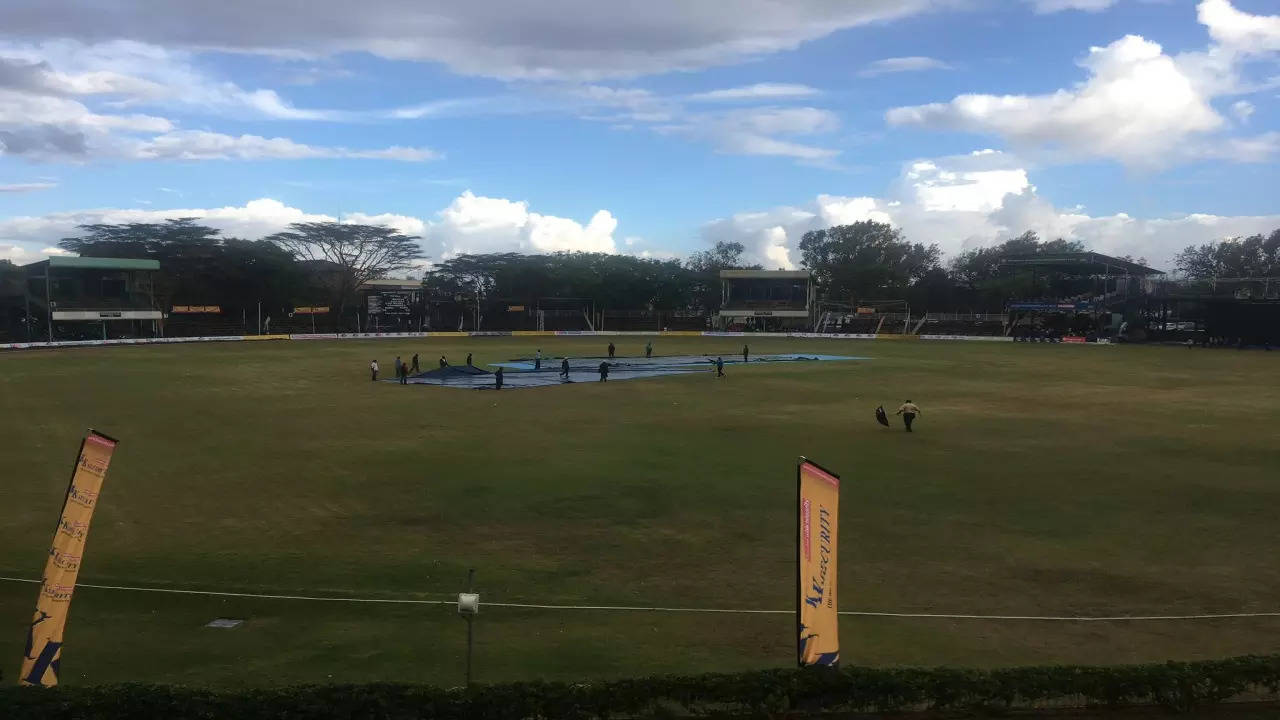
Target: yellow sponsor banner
column 817, row 521
column 43, row 654
column 319, row 310
column 196, row 309
column 448, row 333
column 895, row 336
column 534, row 332
column 266, row 337
column 682, row 333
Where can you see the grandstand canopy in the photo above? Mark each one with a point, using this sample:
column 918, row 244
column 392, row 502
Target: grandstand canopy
column 1080, row 263
column 97, row 263
column 386, row 284
column 764, row 274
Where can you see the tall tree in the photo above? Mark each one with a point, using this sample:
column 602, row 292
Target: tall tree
column 1253, row 256
column 866, row 260
column 353, row 253
column 705, row 267
column 986, row 283
column 197, row 265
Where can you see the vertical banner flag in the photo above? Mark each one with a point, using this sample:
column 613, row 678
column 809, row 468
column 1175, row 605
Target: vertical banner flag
column 817, row 521
column 44, row 637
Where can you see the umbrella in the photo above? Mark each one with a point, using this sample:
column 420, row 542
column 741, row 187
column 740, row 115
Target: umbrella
column 881, row 417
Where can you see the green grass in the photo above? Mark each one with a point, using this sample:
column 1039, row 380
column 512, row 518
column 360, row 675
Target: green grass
column 1043, row 480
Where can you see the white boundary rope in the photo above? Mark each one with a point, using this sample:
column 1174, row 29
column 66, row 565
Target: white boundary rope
column 627, row 608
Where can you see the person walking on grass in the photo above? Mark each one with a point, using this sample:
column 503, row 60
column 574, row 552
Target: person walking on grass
column 719, row 367
column 404, row 374
column 537, row 360
column 373, row 370
column 611, row 349
column 415, row 367
column 604, row 372
column 648, row 349
column 443, row 364
column 497, row 379
column 468, row 359
column 745, row 352
column 908, row 410
column 564, row 369
column 399, row 367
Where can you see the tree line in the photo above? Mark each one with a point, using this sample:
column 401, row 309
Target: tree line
column 325, row 263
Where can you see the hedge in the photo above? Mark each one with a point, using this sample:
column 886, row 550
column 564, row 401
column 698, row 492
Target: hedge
column 1178, row 686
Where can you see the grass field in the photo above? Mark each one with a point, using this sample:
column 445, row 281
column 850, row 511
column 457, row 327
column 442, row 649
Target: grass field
column 1042, row 480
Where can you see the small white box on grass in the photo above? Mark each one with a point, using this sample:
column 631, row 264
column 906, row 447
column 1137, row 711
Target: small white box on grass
column 468, row 603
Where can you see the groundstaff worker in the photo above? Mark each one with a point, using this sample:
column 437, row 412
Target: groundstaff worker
column 373, row 370
column 908, row 411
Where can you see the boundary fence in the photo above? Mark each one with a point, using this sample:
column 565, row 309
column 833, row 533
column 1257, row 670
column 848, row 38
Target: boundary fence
column 495, row 333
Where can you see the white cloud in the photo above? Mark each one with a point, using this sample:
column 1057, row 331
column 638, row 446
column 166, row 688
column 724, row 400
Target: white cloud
column 42, row 118
column 27, row 187
column 1238, row 30
column 1137, row 106
column 473, row 224
column 974, row 201
column 762, row 131
column 1242, row 109
column 1256, row 149
column 759, row 91
column 504, row 38
column 134, row 73
column 1053, row 6
column 903, row 64
column 470, row 224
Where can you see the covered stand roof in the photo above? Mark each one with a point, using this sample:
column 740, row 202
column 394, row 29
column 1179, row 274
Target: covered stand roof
column 97, row 263
column 1081, row 263
column 764, row 274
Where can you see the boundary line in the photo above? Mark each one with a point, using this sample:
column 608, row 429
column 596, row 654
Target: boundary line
column 629, row 608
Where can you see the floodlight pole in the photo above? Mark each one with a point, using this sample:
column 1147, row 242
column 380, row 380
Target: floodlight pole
column 259, row 317
column 48, row 297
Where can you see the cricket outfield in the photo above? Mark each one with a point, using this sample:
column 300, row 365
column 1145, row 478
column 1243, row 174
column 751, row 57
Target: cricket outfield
column 1042, row 480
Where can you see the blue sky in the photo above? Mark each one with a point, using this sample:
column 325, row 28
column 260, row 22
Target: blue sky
column 657, row 128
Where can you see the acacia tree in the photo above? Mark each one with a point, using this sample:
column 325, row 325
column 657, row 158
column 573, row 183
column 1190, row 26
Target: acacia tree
column 353, row 254
column 198, row 266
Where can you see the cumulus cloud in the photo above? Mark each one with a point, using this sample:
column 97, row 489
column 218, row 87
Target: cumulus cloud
column 1138, row 105
column 1238, row 30
column 476, row 224
column 903, row 64
column 470, row 224
column 973, row 201
column 501, row 38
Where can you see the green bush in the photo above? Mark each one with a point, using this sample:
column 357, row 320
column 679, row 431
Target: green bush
column 1178, row 686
